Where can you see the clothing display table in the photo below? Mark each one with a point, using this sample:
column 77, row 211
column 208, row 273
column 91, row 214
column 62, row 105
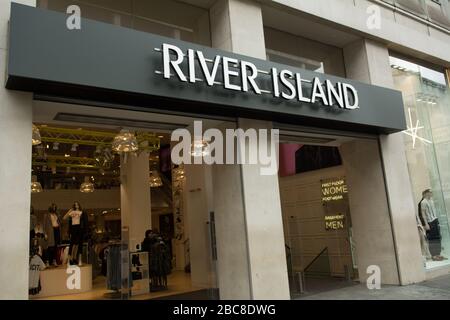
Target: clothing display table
column 54, row 281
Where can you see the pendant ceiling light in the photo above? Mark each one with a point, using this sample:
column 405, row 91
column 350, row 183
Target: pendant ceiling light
column 103, row 157
column 36, row 136
column 178, row 173
column 87, row 186
column 125, row 142
column 35, row 185
column 155, row 179
column 200, row 148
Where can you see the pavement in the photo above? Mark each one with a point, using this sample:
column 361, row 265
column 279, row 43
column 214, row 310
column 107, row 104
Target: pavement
column 436, row 289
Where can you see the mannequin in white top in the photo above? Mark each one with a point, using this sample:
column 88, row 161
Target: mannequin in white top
column 76, row 231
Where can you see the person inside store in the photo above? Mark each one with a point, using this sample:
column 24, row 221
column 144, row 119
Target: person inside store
column 149, row 240
column 77, row 225
column 52, row 231
column 36, row 265
column 159, row 259
column 429, row 218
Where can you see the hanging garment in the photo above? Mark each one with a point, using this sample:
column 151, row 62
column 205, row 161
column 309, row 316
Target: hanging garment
column 113, row 269
column 36, row 266
column 434, row 238
column 160, row 266
column 92, row 259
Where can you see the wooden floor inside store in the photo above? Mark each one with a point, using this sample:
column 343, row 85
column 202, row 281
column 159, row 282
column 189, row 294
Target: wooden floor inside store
column 179, row 283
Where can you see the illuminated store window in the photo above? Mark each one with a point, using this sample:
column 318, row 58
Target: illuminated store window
column 426, row 97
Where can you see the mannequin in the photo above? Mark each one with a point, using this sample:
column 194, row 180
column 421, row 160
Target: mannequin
column 430, row 221
column 76, row 231
column 39, row 240
column 52, row 230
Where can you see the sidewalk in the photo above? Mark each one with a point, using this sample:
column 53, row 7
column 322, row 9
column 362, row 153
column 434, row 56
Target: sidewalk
column 436, row 289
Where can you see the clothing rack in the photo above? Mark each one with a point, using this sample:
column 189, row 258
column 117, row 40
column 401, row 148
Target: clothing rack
column 113, row 271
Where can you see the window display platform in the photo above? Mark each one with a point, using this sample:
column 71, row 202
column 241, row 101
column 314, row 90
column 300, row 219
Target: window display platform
column 54, row 281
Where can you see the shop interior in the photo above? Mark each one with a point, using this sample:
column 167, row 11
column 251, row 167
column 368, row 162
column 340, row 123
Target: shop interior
column 320, row 249
column 159, row 214
column 102, row 185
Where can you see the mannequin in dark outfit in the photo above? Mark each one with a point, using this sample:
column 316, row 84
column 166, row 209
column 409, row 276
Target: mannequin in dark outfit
column 159, row 260
column 77, row 225
column 52, row 230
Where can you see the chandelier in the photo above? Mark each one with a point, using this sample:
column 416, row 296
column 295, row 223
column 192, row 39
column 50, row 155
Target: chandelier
column 35, row 185
column 178, row 173
column 155, row 179
column 87, row 186
column 125, row 142
column 36, row 136
column 200, row 148
column 103, row 157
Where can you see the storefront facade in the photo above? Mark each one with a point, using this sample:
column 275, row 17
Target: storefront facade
column 120, row 68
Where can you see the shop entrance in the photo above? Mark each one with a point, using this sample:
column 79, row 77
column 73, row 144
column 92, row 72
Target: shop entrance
column 317, row 221
column 106, row 198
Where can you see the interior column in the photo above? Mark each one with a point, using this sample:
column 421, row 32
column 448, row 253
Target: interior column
column 135, row 197
column 231, row 232
column 237, row 26
column 368, row 61
column 15, row 175
column 198, row 206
